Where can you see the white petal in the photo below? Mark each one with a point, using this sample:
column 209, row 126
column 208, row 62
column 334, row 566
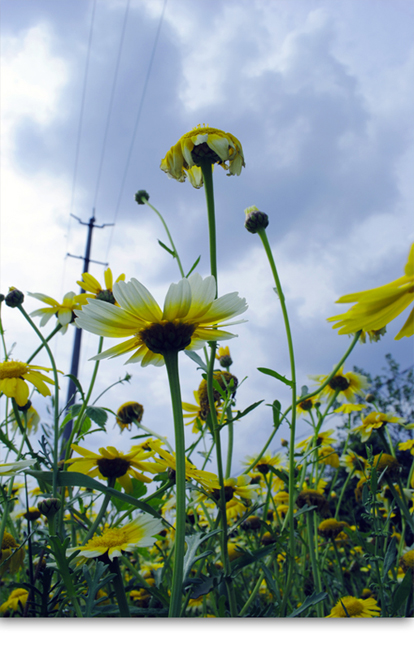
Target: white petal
column 202, row 295
column 136, row 299
column 178, row 300
column 225, row 307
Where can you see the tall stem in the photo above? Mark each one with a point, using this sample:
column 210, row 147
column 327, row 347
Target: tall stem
column 171, row 362
column 207, row 170
column 177, row 257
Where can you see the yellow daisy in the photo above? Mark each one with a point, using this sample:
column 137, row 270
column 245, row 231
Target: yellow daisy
column 375, row 421
column 346, row 409
column 328, row 456
column 18, row 597
column 348, row 384
column 203, row 145
column 307, row 404
column 32, row 418
column 354, row 463
column 195, row 413
column 375, row 308
column 63, row 311
column 113, row 464
column 9, row 552
column 190, row 318
column 351, row 607
column 113, row 541
column 323, row 439
column 167, row 461
column 15, row 374
column 94, row 289
column 408, row 444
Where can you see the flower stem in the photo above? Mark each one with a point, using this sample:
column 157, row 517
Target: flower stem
column 230, row 443
column 102, row 511
column 171, row 362
column 177, row 257
column 119, row 589
column 51, row 335
column 207, row 170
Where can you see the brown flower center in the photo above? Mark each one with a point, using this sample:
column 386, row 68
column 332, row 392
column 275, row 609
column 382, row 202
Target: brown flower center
column 306, row 405
column 339, row 383
column 167, row 336
column 202, row 153
column 113, row 467
column 228, row 493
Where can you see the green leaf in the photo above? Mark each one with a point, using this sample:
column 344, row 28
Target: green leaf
column 78, row 386
column 193, row 542
column 402, row 592
column 304, row 391
column 308, row 602
column 241, row 414
column 280, row 474
column 390, row 557
column 276, row 408
column 4, row 439
column 197, row 359
column 98, row 415
column 194, row 266
column 250, row 558
column 138, row 490
column 273, row 373
column 171, row 252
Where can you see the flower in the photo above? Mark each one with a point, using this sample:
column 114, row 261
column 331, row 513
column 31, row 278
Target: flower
column 11, row 552
column 10, row 469
column 63, row 311
column 354, row 463
column 202, row 144
column 307, row 404
column 197, row 412
column 323, row 439
column 348, row 384
column 408, row 444
column 113, row 464
column 346, row 409
column 129, row 413
column 386, row 463
column 328, row 456
column 16, row 598
column 351, row 607
column 138, row 533
column 223, row 357
column 265, row 462
column 376, row 308
column 167, row 460
column 15, row 374
column 94, row 288
column 330, row 528
column 313, row 498
column 189, row 318
column 407, row 561
column 375, row 421
column 33, row 419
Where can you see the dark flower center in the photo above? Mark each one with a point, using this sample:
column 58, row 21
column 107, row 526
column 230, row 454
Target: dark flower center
column 202, row 153
column 167, row 336
column 228, row 493
column 106, row 295
column 339, row 383
column 113, row 467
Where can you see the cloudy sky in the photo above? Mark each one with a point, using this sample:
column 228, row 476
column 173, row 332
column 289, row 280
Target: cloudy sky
column 319, row 93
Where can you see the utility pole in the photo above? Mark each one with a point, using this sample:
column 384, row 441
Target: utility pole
column 74, row 368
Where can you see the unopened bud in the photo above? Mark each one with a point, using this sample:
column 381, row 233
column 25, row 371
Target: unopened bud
column 49, row 507
column 370, row 398
column 284, row 442
column 14, row 298
column 255, row 220
column 141, row 194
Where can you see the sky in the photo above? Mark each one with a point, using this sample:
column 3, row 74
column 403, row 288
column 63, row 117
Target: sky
column 320, row 95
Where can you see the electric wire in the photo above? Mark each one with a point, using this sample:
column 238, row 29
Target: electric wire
column 111, row 101
column 141, row 103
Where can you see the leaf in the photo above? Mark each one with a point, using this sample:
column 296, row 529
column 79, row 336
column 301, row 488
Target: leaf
column 193, row 542
column 241, row 414
column 204, row 585
column 4, row 439
column 284, row 476
column 171, row 252
column 402, row 592
column 95, row 583
column 78, row 386
column 390, row 556
column 273, row 373
column 98, row 415
column 304, row 391
column 197, row 359
column 194, row 266
column 308, row 602
column 250, row 558
column 138, row 490
column 276, row 408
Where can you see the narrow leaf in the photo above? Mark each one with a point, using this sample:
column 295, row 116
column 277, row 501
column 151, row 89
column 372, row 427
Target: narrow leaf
column 171, row 252
column 273, row 373
column 308, row 602
column 194, row 266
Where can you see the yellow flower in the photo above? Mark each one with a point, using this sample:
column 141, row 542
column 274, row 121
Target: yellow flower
column 63, row 311
column 94, row 289
column 375, row 308
column 113, row 464
column 9, row 552
column 207, row 479
column 330, row 528
column 265, row 462
column 189, row 318
column 354, row 463
column 234, row 551
column 324, row 438
column 223, row 357
column 328, row 456
column 346, row 409
column 408, row 444
column 407, row 561
column 129, row 413
column 355, row 608
column 32, row 418
column 306, row 405
column 18, row 597
column 138, row 533
column 375, row 421
column 15, row 374
column 348, row 384
column 10, row 469
column 203, row 145
column 197, row 413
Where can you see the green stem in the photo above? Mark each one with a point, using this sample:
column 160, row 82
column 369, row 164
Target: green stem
column 310, row 524
column 207, row 170
column 345, row 485
column 230, row 443
column 56, row 400
column 262, row 234
column 102, row 511
column 36, row 352
column 171, row 362
column 177, row 257
column 119, row 588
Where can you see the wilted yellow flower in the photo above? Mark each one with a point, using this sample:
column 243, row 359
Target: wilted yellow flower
column 375, row 308
column 203, row 145
column 11, row 552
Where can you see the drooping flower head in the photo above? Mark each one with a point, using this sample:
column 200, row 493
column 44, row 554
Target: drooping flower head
column 190, row 317
column 375, row 308
column 63, row 311
column 17, row 598
column 114, row 541
column 203, row 145
column 129, row 413
column 11, row 556
column 94, row 289
column 15, row 374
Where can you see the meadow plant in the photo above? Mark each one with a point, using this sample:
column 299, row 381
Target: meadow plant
column 324, row 529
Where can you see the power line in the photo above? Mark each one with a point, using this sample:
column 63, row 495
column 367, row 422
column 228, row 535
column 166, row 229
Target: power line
column 144, row 90
column 111, row 101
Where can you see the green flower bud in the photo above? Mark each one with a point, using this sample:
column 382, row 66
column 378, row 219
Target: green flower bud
column 14, row 298
column 141, row 194
column 49, row 507
column 255, row 220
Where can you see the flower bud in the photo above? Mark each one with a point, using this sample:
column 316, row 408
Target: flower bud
column 49, row 507
column 14, row 298
column 370, row 398
column 255, row 220
column 141, row 194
